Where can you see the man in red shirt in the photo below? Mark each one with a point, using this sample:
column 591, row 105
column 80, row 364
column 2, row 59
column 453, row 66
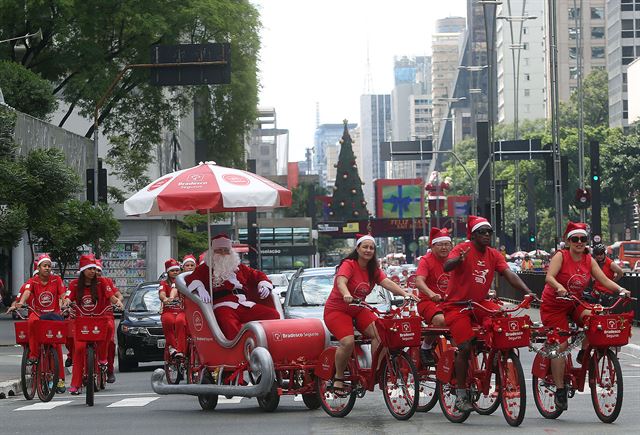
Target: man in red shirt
column 472, row 265
column 611, row 270
column 432, row 282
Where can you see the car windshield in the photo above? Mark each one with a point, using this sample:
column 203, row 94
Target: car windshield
column 278, row 280
column 313, row 290
column 145, row 299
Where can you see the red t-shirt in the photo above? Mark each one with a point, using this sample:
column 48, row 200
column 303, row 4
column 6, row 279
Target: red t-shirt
column 472, row 279
column 167, row 286
column 573, row 275
column 358, row 283
column 88, row 305
column 431, row 268
column 45, row 298
column 606, row 269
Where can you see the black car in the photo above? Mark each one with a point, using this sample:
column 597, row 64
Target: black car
column 140, row 334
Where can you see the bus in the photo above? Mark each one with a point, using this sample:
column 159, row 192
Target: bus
column 627, row 253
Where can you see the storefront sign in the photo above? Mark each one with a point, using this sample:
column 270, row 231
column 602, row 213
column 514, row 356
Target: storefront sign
column 288, row 250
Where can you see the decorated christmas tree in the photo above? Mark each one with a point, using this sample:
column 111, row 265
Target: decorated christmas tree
column 348, row 201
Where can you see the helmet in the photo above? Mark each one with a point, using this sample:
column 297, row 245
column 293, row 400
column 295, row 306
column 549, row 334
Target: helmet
column 599, row 249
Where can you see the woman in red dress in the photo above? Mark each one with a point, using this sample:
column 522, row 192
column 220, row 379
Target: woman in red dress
column 570, row 272
column 356, row 276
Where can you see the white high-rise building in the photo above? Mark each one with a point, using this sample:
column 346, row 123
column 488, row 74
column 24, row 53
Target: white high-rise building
column 375, row 124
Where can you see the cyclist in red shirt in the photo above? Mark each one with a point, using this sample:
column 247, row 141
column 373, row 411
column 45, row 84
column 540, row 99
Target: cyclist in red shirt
column 111, row 351
column 610, row 269
column 356, row 276
column 188, row 263
column 432, row 281
column 93, row 295
column 472, row 265
column 46, row 294
column 570, row 272
column 174, row 323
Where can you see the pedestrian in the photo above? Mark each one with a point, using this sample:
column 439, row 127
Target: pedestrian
column 188, row 263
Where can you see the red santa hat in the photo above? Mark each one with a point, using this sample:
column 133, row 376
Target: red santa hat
column 362, row 237
column 87, row 261
column 474, row 223
column 99, row 264
column 171, row 264
column 439, row 235
column 189, row 258
column 35, row 267
column 574, row 228
column 221, row 241
column 202, row 257
column 41, row 259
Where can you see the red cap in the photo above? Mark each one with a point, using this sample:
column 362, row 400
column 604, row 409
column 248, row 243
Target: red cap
column 187, row 258
column 221, row 241
column 87, row 261
column 99, row 264
column 42, row 258
column 574, row 228
column 438, row 235
column 171, row 264
column 202, row 257
column 475, row 222
column 362, row 237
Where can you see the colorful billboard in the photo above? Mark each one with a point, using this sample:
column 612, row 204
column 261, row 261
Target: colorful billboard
column 399, row 198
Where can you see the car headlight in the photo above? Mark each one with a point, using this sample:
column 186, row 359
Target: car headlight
column 135, row 330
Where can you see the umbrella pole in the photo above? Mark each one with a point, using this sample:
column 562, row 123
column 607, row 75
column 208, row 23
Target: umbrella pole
column 209, row 255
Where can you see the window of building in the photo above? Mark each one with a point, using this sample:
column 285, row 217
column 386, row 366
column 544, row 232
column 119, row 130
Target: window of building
column 573, row 52
column 627, row 54
column 527, row 76
column 597, row 52
column 627, row 28
column 573, row 32
column 573, row 72
column 597, row 13
column 265, row 150
column 524, row 31
column 626, row 5
column 527, row 92
column 574, row 13
column 525, row 46
column 597, row 33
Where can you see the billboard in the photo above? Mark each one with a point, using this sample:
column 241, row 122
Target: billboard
column 399, row 198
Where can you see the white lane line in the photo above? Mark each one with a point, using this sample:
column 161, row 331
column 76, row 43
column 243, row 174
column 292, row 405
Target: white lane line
column 297, row 398
column 224, row 400
column 126, row 394
column 132, row 401
column 43, row 406
column 632, row 346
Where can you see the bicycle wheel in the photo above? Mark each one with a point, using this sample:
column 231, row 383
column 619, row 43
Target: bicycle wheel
column 486, row 404
column 447, row 400
column 172, row 370
column 544, row 391
column 427, row 389
column 311, row 401
column 400, row 385
column 513, row 388
column 605, row 381
column 47, row 373
column 193, row 365
column 91, row 374
column 271, row 400
column 28, row 376
column 208, row 402
column 335, row 405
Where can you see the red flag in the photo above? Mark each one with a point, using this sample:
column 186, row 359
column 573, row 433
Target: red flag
column 292, row 175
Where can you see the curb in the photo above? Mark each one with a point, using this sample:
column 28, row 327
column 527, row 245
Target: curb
column 10, row 388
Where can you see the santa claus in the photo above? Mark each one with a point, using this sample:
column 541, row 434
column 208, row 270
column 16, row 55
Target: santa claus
column 232, row 283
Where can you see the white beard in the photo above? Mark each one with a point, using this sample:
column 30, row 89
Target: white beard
column 225, row 267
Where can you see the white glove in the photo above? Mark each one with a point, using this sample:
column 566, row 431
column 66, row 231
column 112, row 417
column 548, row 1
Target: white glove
column 264, row 289
column 204, row 295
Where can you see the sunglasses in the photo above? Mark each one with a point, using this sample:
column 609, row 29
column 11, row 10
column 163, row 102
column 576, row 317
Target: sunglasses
column 484, row 231
column 576, row 239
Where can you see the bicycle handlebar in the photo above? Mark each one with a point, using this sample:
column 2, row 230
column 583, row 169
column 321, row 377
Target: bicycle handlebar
column 525, row 303
column 596, row 307
column 111, row 307
column 63, row 312
column 360, row 303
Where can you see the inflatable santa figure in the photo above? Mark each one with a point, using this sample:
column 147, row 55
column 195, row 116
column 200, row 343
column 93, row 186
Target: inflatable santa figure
column 234, row 285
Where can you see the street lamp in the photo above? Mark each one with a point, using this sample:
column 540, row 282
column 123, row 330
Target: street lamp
column 29, row 40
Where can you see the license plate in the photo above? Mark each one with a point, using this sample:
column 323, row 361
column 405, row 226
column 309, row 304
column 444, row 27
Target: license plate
column 161, row 343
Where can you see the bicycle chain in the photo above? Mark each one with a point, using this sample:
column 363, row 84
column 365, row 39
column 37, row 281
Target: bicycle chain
column 551, row 350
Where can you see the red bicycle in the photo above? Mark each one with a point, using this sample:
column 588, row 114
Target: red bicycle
column 396, row 374
column 40, row 378
column 495, row 375
column 605, row 332
column 92, row 329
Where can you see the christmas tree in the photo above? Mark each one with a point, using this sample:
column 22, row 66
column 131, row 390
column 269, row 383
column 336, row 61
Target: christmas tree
column 348, row 201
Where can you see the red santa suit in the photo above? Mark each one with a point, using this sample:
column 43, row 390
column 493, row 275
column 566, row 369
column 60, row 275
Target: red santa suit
column 231, row 306
column 111, row 350
column 173, row 321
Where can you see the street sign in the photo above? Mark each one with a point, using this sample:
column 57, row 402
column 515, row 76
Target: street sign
column 597, row 238
column 519, row 150
column 406, row 150
column 209, row 74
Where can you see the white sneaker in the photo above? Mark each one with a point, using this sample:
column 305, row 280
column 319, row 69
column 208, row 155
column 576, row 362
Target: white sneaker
column 172, row 351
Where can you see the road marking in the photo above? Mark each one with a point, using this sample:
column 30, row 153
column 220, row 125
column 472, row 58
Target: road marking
column 224, row 400
column 126, row 394
column 43, row 406
column 297, row 398
column 133, row 401
column 633, row 346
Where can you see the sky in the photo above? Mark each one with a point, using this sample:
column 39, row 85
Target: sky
column 331, row 52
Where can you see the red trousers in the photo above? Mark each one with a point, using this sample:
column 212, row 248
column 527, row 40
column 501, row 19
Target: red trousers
column 34, row 345
column 111, row 349
column 174, row 325
column 80, row 352
column 231, row 320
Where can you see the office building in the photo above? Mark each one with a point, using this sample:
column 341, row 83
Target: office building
column 375, row 127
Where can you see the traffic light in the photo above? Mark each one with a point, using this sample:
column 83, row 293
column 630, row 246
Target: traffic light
column 102, row 184
column 582, row 198
column 532, row 238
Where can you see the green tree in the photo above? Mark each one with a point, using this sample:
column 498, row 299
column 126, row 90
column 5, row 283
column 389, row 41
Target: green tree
column 348, row 200
column 595, row 101
column 26, row 91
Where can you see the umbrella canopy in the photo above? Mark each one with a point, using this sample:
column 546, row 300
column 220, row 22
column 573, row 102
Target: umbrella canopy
column 207, row 187
column 520, row 254
column 538, row 253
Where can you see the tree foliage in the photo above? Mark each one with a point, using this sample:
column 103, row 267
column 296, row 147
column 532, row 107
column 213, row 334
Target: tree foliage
column 26, row 91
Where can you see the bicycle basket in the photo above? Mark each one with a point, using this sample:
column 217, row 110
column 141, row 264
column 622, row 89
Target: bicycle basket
column 22, row 332
column 609, row 329
column 400, row 333
column 91, row 328
column 51, row 331
column 508, row 332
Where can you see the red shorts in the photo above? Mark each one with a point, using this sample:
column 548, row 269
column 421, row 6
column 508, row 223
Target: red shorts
column 461, row 323
column 428, row 309
column 340, row 323
column 557, row 315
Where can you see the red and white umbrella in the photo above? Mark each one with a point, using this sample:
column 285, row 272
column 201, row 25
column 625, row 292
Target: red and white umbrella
column 207, row 188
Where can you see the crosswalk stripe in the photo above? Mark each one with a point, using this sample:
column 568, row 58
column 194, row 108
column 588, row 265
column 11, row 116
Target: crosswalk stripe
column 132, row 401
column 297, row 398
column 43, row 406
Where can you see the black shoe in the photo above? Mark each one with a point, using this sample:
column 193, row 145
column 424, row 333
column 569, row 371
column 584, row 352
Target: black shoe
column 68, row 362
column 561, row 399
column 111, row 378
column 462, row 403
column 426, row 357
column 32, row 361
column 579, row 357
